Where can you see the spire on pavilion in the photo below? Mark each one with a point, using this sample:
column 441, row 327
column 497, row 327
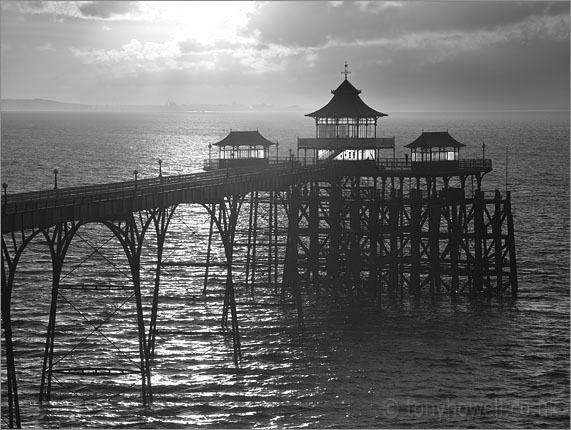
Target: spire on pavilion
column 346, row 103
column 346, row 72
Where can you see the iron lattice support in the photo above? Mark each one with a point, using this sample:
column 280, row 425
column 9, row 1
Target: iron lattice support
column 251, row 245
column 290, row 278
column 363, row 231
column 264, row 237
column 131, row 239
column 161, row 219
column 11, row 383
column 226, row 219
column 58, row 240
column 12, row 249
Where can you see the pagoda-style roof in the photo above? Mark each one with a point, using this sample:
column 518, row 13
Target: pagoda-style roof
column 434, row 139
column 244, row 138
column 346, row 103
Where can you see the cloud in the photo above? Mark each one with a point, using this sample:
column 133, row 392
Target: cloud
column 408, row 33
column 132, row 56
column 400, row 53
column 108, row 9
column 101, row 10
column 314, row 24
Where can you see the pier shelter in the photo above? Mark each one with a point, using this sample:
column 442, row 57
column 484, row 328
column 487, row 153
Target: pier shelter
column 240, row 149
column 435, row 150
column 345, row 129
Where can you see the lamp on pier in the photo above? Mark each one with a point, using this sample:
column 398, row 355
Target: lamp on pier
column 277, row 151
column 209, row 154
column 55, row 178
column 160, row 168
column 483, row 151
column 5, row 185
column 135, row 172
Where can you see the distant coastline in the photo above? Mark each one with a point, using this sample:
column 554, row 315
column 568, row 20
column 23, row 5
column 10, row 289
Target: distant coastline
column 43, row 105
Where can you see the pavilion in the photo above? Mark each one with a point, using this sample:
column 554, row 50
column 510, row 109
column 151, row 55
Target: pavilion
column 240, row 149
column 345, row 128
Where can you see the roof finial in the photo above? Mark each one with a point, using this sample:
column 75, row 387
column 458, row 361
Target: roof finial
column 346, row 72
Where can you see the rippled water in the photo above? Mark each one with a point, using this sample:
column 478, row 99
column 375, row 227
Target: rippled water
column 485, row 363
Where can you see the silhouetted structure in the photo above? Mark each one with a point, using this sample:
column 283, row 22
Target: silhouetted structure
column 240, row 149
column 385, row 226
column 342, row 220
column 345, row 129
column 436, row 150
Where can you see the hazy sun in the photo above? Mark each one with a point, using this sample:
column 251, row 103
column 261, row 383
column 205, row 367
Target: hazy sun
column 203, row 21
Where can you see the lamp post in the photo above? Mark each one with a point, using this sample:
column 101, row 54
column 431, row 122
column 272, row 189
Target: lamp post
column 135, row 172
column 210, row 156
column 483, row 151
column 5, row 185
column 55, row 178
column 277, row 151
column 160, row 169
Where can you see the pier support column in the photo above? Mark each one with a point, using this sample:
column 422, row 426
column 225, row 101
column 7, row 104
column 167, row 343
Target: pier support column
column 511, row 246
column 373, row 242
column 12, row 248
column 313, row 223
column 11, row 380
column 479, row 244
column 252, row 241
column 497, row 238
column 131, row 238
column 208, row 249
column 271, row 227
column 354, row 255
column 415, row 233
column 291, row 275
column 454, row 243
column 161, row 219
column 226, row 221
column 58, row 242
column 333, row 262
column 434, row 246
column 394, row 227
column 383, row 237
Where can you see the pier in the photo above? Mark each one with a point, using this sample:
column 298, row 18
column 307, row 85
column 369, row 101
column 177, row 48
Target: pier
column 339, row 218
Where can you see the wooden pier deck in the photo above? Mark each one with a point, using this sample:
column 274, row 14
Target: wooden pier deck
column 40, row 209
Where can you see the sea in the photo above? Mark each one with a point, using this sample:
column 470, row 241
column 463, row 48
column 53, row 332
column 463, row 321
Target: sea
column 480, row 363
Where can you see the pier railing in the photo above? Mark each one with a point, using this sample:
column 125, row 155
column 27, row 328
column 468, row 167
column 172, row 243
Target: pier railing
column 113, row 190
column 39, row 208
column 407, row 164
column 402, row 164
column 104, row 191
column 149, row 191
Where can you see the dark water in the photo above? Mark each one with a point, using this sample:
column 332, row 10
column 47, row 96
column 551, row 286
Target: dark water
column 486, row 363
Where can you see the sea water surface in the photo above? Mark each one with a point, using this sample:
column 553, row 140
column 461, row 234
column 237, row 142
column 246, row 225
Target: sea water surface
column 479, row 363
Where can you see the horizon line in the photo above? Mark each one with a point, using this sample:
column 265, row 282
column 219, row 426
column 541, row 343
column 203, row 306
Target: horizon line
column 165, row 107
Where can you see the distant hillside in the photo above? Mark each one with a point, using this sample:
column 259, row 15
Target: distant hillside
column 20, row 105
column 41, row 105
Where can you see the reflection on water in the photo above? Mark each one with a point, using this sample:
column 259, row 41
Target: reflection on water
column 485, row 363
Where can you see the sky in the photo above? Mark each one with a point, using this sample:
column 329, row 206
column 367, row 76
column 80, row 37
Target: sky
column 403, row 55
